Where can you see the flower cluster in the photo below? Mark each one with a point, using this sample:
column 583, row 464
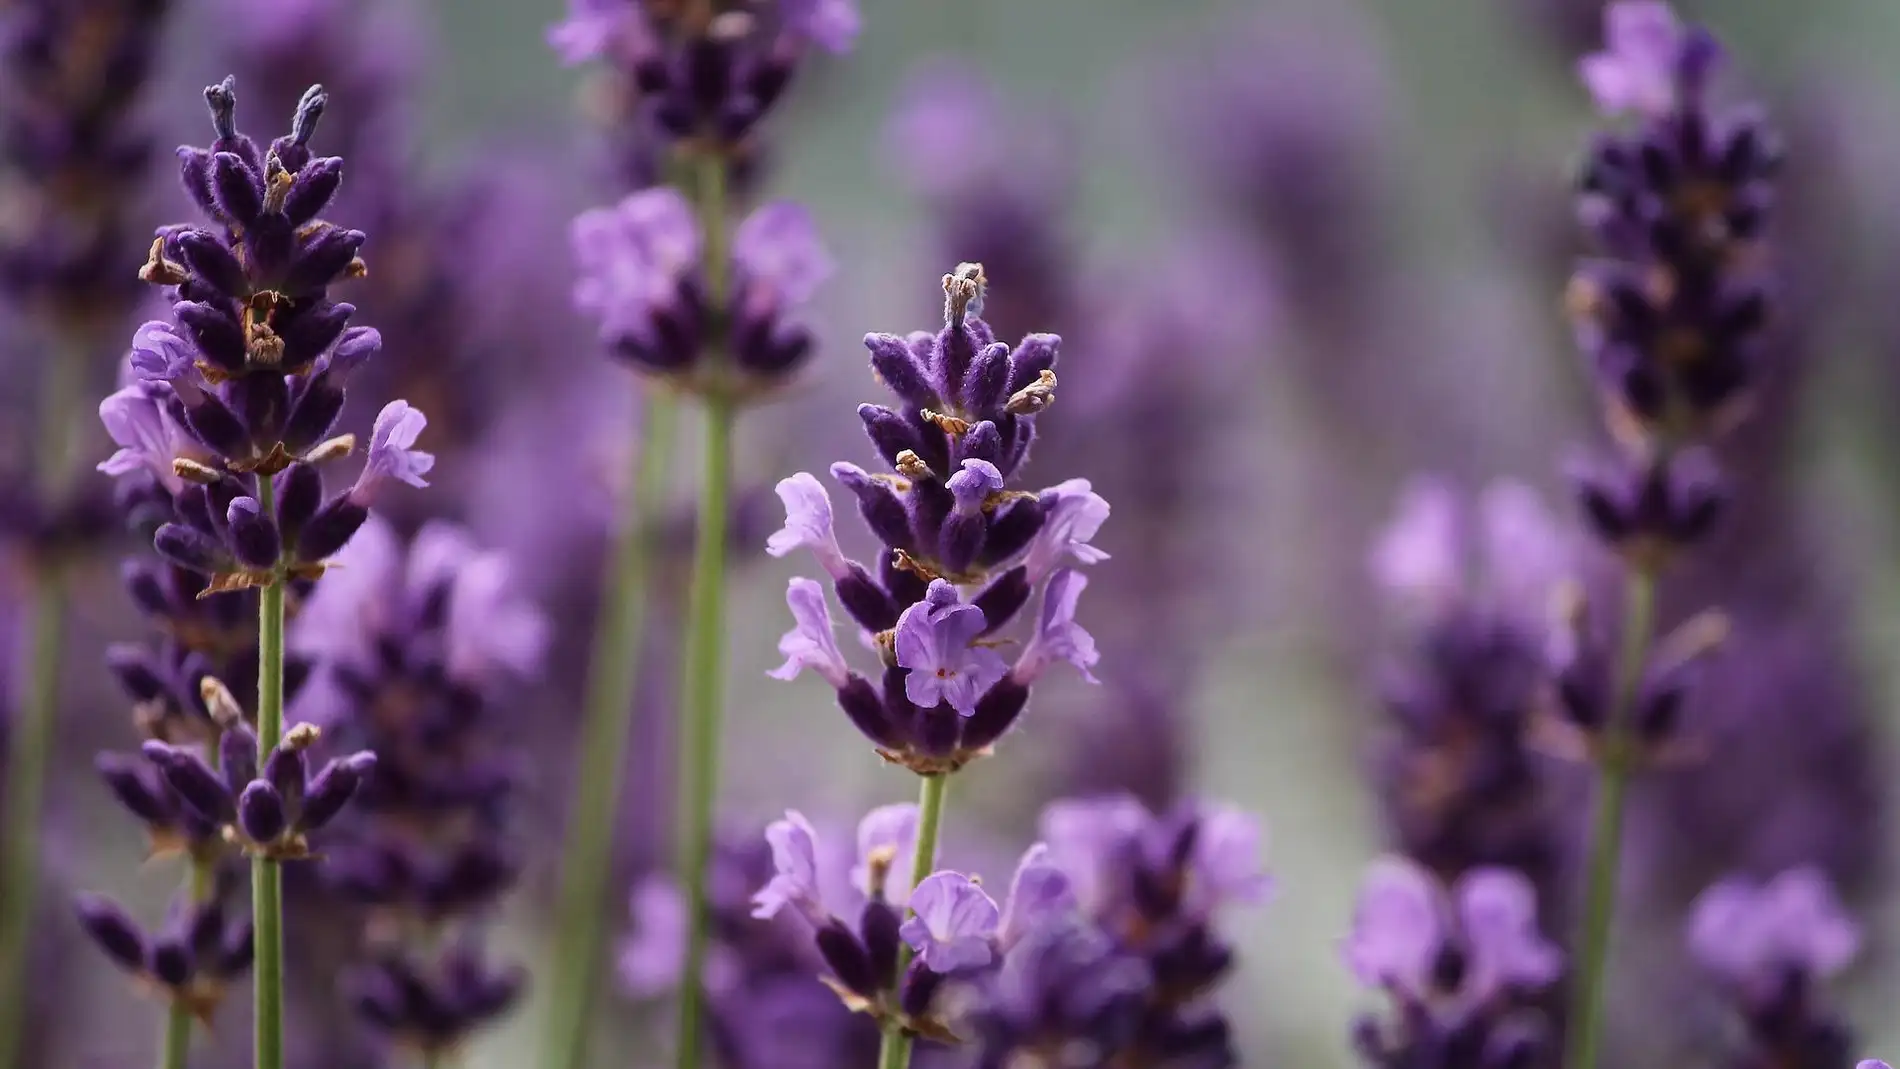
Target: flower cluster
column 1772, row 947
column 1460, row 964
column 418, row 648
column 1104, row 942
column 192, row 958
column 1459, row 773
column 1672, row 313
column 949, row 522
column 644, row 275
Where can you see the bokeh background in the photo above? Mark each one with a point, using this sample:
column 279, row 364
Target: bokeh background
column 1370, row 201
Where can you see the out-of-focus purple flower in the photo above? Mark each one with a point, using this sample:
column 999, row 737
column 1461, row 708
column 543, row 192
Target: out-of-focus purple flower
column 1040, row 894
column 142, row 420
column 952, row 923
column 1772, row 947
column 1641, row 66
column 794, row 855
column 887, row 836
column 935, row 640
column 601, row 29
column 1459, row 964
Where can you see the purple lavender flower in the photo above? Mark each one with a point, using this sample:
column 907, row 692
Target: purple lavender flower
column 193, row 957
column 642, row 276
column 421, row 647
column 1772, row 947
column 1457, row 963
column 949, row 523
column 952, row 923
column 1642, row 67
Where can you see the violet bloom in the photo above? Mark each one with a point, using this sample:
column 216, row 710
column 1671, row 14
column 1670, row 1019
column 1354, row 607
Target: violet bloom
column 423, row 648
column 952, row 923
column 642, row 276
column 1772, row 947
column 950, row 524
column 1459, row 964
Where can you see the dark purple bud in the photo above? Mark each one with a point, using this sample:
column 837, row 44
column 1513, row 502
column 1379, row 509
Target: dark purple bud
column 194, row 171
column 218, row 427
column 891, row 434
column 860, row 700
column 930, row 505
column 211, row 261
column 1011, row 529
column 299, row 496
column 238, row 189
column 193, row 780
column 983, row 442
column 286, row 771
column 204, row 929
column 260, row 813
column 880, row 505
column 847, row 959
column 313, row 330
column 170, row 962
column 1035, row 354
column 988, row 385
column 332, row 788
column 867, row 602
column 996, row 712
column 899, row 371
column 920, row 989
column 136, row 671
column 254, row 536
column 900, row 712
column 316, row 183
column 330, row 529
column 1004, row 598
column 262, row 401
column 237, row 950
column 136, row 788
column 316, row 411
column 237, row 757
column 190, row 548
column 219, row 337
column 962, row 538
column 145, row 589
column 321, row 258
column 878, row 925
column 476, row 873
column 112, row 930
column 957, row 346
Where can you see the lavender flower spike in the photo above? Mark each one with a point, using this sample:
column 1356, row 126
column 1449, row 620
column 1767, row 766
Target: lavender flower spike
column 953, row 923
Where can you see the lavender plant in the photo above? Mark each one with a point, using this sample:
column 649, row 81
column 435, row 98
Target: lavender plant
column 420, row 648
column 73, row 155
column 229, row 417
column 1671, row 316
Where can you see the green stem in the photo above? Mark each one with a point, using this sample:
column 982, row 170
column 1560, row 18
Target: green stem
column 267, row 897
column 699, row 721
column 580, row 938
column 176, row 1046
column 29, row 747
column 1593, row 944
column 894, row 1053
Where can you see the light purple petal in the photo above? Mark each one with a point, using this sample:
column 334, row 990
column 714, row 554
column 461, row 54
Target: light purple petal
column 1058, row 637
column 631, row 256
column 650, row 961
column 778, row 247
column 159, row 353
column 832, row 25
column 1397, row 928
column 1074, row 516
column 1636, row 71
column 1089, row 839
column 890, row 833
column 795, row 857
column 1420, row 559
column 1039, row 893
column 811, row 643
column 933, row 640
column 808, row 524
column 1747, row 934
column 953, row 924
column 1226, row 865
column 492, row 628
column 1497, row 909
column 391, row 451
column 973, row 485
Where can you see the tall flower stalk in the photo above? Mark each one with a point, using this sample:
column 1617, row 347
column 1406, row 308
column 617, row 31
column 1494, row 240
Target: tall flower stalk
column 702, row 308
column 75, row 157
column 1671, row 315
column 229, row 418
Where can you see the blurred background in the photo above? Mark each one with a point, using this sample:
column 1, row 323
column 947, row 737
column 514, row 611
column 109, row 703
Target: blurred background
column 1301, row 251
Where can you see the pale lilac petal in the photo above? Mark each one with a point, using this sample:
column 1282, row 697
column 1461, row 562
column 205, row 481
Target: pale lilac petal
column 1749, row 934
column 1398, row 926
column 812, row 642
column 1072, row 515
column 795, row 857
column 1637, row 70
column 1497, row 909
column 1090, row 839
column 391, row 451
column 1527, row 552
column 651, row 960
column 832, row 25
column 953, row 923
column 887, row 836
column 1226, row 865
column 808, row 524
column 1420, row 558
column 492, row 627
column 973, row 485
column 778, row 247
column 1058, row 637
column 933, row 640
column 1039, row 894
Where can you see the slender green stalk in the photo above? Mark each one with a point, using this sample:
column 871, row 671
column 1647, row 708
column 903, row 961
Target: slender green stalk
column 267, row 892
column 894, row 1052
column 1593, row 943
column 579, row 939
column 699, row 722
column 30, row 746
column 176, row 1046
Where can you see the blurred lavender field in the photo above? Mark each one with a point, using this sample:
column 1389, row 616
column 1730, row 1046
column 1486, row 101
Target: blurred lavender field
column 1311, row 262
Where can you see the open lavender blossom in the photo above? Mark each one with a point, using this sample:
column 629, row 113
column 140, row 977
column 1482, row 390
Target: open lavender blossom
column 643, row 276
column 1772, row 947
column 1459, row 964
column 963, row 552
